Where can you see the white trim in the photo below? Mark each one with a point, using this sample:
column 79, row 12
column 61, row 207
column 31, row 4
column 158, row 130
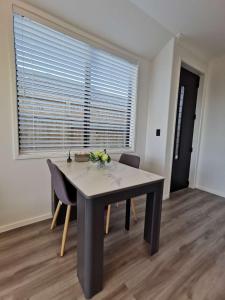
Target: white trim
column 63, row 154
column 211, row 191
column 134, row 146
column 197, row 131
column 13, row 90
column 56, row 23
column 25, row 222
column 166, row 197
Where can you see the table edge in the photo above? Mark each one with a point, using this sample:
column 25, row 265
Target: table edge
column 115, row 191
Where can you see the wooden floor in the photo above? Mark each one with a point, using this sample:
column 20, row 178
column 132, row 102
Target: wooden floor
column 189, row 265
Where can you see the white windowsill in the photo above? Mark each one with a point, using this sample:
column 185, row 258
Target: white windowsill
column 64, row 154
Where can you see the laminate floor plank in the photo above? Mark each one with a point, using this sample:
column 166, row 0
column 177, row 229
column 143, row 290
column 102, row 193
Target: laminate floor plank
column 189, row 265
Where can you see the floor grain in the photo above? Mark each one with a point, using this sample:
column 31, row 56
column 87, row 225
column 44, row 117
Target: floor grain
column 189, row 265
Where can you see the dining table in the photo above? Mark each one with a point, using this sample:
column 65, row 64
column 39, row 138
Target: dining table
column 97, row 187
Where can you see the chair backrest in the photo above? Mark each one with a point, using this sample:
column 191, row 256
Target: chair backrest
column 59, row 183
column 50, row 166
column 131, row 160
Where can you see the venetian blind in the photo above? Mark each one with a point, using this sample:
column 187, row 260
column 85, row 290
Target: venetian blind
column 70, row 95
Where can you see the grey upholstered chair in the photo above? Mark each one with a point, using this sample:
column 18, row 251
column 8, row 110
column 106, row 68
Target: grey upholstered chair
column 131, row 160
column 66, row 193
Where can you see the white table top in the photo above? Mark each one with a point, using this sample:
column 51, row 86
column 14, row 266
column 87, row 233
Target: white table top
column 93, row 181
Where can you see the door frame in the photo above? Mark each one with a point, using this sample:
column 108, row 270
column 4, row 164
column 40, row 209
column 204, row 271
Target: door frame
column 187, row 60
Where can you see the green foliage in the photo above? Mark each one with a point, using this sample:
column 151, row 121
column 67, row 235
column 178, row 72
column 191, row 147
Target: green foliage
column 101, row 156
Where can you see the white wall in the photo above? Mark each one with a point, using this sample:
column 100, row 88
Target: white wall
column 162, row 109
column 25, row 184
column 158, row 113
column 142, row 109
column 211, row 167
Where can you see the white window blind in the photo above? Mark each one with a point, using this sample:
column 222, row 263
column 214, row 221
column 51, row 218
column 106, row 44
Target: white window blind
column 70, row 95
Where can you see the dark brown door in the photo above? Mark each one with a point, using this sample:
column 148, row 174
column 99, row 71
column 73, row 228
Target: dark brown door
column 187, row 98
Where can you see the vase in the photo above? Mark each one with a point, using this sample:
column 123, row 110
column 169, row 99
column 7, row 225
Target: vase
column 100, row 164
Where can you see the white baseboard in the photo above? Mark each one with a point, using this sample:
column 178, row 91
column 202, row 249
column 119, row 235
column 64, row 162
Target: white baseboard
column 209, row 190
column 25, row 222
column 166, row 197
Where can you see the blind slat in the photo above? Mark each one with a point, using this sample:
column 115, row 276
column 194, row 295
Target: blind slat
column 70, row 95
column 59, row 44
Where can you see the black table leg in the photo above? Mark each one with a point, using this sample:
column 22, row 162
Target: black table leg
column 153, row 218
column 148, row 217
column 127, row 220
column 90, row 244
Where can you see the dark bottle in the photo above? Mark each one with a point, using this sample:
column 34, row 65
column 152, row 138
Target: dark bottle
column 69, row 160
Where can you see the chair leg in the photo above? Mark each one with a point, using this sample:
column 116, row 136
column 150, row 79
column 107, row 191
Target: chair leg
column 65, row 230
column 133, row 210
column 107, row 219
column 56, row 214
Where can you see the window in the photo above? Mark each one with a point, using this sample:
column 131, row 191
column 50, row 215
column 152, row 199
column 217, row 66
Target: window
column 70, row 95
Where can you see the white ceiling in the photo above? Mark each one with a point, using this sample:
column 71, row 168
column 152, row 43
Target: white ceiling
column 117, row 21
column 202, row 22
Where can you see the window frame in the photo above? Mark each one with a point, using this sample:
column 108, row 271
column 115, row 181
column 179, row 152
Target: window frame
column 61, row 26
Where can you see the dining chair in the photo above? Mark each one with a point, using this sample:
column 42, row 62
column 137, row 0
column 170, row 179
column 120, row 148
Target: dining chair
column 131, row 160
column 66, row 193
